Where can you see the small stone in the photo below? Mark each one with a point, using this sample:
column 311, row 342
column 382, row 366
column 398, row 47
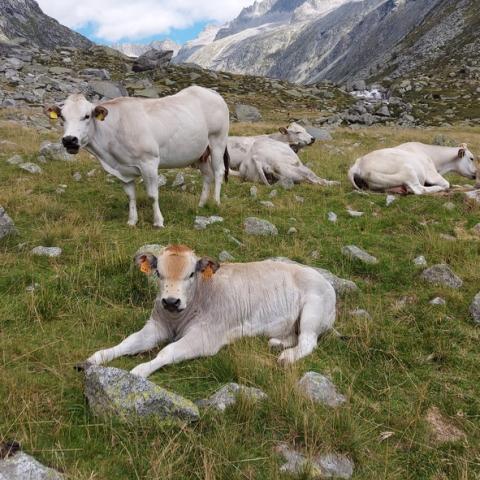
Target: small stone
column 437, row 301
column 162, row 180
column 299, row 199
column 267, row 204
column 257, row 226
column 273, row 194
column 31, row 288
column 77, row 176
column 420, row 261
column 476, row 229
column 360, row 313
column 235, row 240
column 475, row 309
column 473, row 195
column 292, row 231
column 228, row 395
column 47, row 251
column 442, row 275
column 354, row 252
column 21, row 466
column 332, row 217
column 55, row 151
column 320, row 389
column 201, row 223
column 111, row 391
column 179, row 180
column 253, row 192
column 92, row 173
column 446, row 236
column 354, row 213
column 7, row 227
column 215, row 219
column 30, row 167
column 15, row 160
column 449, row 206
column 225, row 256
column 390, row 199
column 154, row 248
column 442, row 430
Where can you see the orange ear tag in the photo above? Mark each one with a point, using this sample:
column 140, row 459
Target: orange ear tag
column 207, row 274
column 145, row 267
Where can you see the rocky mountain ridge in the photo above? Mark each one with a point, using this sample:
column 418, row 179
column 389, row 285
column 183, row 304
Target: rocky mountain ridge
column 137, row 49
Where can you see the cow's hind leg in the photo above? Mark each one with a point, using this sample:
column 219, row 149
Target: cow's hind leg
column 283, row 343
column 150, row 179
column 206, row 169
column 318, row 315
column 129, row 189
column 217, row 153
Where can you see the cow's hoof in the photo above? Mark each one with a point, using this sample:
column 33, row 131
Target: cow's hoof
column 132, row 224
column 82, row 366
column 158, row 225
column 140, row 371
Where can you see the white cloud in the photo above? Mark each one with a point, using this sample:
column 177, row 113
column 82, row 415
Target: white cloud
column 114, row 20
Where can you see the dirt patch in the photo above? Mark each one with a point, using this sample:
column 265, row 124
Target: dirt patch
column 442, row 430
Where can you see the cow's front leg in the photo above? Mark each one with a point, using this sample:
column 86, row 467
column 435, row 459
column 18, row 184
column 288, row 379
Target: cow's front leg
column 143, row 340
column 150, row 178
column 129, row 189
column 193, row 345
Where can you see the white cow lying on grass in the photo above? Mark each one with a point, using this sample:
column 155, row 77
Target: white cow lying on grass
column 134, row 137
column 269, row 158
column 202, row 306
column 412, row 167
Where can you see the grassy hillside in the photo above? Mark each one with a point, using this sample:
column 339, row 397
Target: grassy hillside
column 393, row 367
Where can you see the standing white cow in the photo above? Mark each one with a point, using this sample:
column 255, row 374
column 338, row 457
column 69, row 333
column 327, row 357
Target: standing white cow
column 202, row 306
column 134, row 137
column 412, row 167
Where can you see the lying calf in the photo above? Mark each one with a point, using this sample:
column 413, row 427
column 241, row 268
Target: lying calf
column 412, row 167
column 202, row 306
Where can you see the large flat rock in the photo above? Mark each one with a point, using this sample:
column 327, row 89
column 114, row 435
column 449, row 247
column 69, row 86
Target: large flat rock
column 111, row 391
column 21, row 466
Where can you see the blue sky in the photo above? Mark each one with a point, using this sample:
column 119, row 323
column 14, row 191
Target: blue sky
column 141, row 21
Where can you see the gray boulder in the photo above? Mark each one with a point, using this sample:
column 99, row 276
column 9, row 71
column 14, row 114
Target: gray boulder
column 108, row 89
column 55, row 151
column 15, row 160
column 354, row 252
column 99, row 73
column 111, row 391
column 30, row 167
column 321, row 134
column 152, row 59
column 228, row 395
column 21, row 466
column 475, row 309
column 442, row 275
column 7, row 227
column 320, row 389
column 201, row 223
column 257, row 226
column 247, row 113
column 340, row 285
column 330, row 465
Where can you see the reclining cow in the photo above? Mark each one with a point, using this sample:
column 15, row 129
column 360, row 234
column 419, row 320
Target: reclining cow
column 202, row 306
column 412, row 167
column 269, row 158
column 134, row 137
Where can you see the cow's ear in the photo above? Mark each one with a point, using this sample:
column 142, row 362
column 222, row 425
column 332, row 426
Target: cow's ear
column 462, row 150
column 283, row 131
column 100, row 113
column 146, row 262
column 53, row 112
column 207, row 267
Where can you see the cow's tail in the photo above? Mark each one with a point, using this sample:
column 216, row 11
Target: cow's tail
column 355, row 179
column 226, row 162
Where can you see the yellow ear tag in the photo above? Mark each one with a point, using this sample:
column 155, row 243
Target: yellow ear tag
column 207, row 274
column 53, row 115
column 100, row 116
column 145, row 267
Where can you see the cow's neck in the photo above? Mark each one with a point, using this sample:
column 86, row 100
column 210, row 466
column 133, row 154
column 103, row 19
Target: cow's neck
column 279, row 137
column 446, row 160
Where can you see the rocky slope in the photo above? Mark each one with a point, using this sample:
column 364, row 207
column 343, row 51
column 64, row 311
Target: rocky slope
column 136, row 49
column 24, row 21
column 311, row 40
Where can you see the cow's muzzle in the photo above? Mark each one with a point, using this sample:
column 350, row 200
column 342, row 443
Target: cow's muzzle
column 312, row 142
column 71, row 144
column 171, row 304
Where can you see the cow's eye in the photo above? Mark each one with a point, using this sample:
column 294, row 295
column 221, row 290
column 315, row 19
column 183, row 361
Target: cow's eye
column 86, row 117
column 191, row 275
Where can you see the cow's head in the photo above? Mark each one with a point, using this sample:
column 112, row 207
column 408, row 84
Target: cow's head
column 296, row 136
column 466, row 164
column 79, row 117
column 177, row 270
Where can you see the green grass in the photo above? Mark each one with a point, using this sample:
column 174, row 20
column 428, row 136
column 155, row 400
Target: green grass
column 393, row 367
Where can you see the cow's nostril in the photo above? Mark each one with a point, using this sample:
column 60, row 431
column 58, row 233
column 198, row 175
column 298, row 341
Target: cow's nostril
column 70, row 140
column 171, row 304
